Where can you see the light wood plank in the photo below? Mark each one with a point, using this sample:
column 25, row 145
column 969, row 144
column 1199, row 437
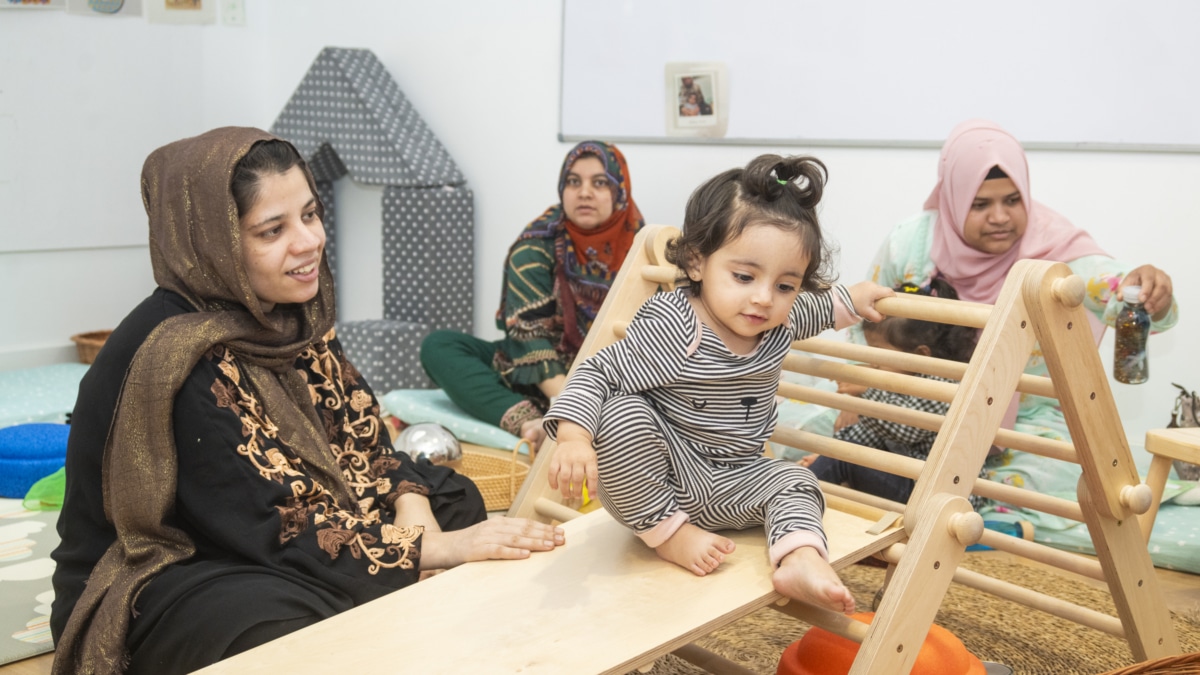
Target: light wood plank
column 1181, row 443
column 604, row 603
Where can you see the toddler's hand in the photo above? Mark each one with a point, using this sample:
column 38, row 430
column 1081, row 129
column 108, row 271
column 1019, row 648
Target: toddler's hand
column 573, row 463
column 864, row 294
column 845, row 419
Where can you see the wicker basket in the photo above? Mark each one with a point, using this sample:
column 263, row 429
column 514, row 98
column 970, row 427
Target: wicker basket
column 1182, row 664
column 498, row 478
column 89, row 344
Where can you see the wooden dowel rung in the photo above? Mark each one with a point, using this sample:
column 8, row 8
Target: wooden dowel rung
column 1019, row 594
column 1038, row 445
column 1020, row 497
column 883, row 411
column 838, row 624
column 1041, row 601
column 1029, row 549
column 1005, row 438
column 951, row 370
column 911, row 468
column 898, row 465
column 940, row 310
column 555, row 511
column 660, row 274
column 1064, row 560
column 866, row 376
column 710, row 662
column 850, row 494
column 856, row 507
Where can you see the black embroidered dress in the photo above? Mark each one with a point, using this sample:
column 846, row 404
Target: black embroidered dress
column 274, row 552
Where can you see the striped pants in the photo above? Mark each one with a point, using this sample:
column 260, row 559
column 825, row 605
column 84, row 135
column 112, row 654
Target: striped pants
column 649, row 472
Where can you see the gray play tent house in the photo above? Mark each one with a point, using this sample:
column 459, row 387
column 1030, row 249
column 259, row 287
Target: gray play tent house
column 348, row 116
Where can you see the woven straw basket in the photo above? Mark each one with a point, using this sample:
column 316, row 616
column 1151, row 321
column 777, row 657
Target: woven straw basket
column 498, row 478
column 1183, row 664
column 89, row 344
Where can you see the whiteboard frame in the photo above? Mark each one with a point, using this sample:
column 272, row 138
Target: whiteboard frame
column 883, row 144
column 664, row 139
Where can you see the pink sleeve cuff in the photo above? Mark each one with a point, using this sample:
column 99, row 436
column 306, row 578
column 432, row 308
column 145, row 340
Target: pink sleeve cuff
column 843, row 316
column 794, row 540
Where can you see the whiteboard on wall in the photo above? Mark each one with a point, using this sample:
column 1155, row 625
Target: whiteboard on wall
column 1068, row 74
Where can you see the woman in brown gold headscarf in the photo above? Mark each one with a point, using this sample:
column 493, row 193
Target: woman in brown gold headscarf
column 228, row 478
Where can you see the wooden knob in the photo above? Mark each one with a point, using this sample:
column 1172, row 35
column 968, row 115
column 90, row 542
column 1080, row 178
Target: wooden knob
column 966, row 528
column 1069, row 290
column 1137, row 497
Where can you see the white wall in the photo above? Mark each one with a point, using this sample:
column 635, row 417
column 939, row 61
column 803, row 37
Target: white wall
column 485, row 77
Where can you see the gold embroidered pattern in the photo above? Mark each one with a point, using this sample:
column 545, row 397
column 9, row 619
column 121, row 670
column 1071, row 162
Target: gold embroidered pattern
column 350, row 416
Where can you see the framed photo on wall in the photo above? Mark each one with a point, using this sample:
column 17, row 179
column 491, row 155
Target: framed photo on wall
column 697, row 100
column 33, row 4
column 105, row 7
column 181, row 11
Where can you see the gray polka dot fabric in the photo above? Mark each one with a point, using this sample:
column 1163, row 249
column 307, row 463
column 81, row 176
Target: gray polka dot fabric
column 386, row 352
column 325, row 194
column 423, row 233
column 326, row 165
column 349, row 101
column 349, row 117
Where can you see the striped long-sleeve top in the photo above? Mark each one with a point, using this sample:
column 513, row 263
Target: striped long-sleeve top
column 712, row 397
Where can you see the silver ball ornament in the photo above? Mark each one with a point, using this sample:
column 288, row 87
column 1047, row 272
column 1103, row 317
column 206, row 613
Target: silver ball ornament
column 431, row 441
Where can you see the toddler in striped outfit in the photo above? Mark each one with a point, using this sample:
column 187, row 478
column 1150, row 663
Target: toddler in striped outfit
column 667, row 426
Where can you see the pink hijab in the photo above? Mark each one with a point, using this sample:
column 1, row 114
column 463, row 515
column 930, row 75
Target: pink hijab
column 972, row 149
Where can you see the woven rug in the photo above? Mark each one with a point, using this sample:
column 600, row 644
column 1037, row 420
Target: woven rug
column 26, row 540
column 1028, row 641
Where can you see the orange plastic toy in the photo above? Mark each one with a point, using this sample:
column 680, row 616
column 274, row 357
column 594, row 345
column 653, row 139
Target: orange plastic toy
column 820, row 652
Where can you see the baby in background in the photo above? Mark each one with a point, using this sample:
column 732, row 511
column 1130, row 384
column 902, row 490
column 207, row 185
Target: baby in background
column 668, row 425
column 912, row 336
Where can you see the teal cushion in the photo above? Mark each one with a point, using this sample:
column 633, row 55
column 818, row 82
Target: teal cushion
column 413, row 406
column 43, row 394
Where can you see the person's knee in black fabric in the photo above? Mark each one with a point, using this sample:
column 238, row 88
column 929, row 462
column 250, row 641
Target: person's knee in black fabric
column 262, row 633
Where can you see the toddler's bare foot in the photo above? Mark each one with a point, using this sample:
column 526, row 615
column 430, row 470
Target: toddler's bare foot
column 695, row 550
column 533, row 432
column 805, row 576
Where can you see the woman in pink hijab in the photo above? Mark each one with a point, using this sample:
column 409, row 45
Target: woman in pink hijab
column 983, row 221
column 979, row 220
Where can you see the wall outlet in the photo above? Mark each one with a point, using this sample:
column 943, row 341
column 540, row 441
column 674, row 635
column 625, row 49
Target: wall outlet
column 233, row 12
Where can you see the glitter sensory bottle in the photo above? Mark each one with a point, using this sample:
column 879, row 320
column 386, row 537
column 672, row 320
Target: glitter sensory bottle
column 1133, row 327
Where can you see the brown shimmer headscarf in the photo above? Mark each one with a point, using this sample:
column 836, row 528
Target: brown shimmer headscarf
column 196, row 251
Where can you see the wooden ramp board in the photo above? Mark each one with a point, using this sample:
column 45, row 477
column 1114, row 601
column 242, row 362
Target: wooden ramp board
column 603, row 603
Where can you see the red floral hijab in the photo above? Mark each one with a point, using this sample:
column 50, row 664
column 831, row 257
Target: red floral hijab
column 587, row 261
